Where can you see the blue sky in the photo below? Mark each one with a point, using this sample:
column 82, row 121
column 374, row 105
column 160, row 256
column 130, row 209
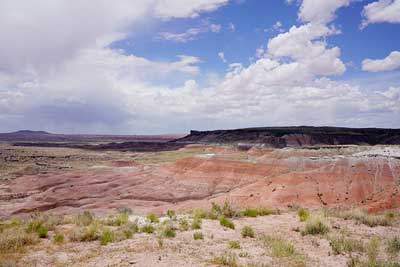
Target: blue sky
column 158, row 66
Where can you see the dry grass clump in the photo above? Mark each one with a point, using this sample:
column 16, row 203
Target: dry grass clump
column 13, row 240
column 223, row 221
column 316, row 225
column 234, row 244
column 198, row 236
column 372, row 258
column 259, row 211
column 342, row 245
column 279, row 247
column 226, row 259
column 247, row 231
column 169, row 231
column 117, row 220
column 84, row 219
column 58, row 238
column 393, row 245
column 183, row 224
column 85, row 234
column 171, row 214
column 107, row 236
column 363, row 217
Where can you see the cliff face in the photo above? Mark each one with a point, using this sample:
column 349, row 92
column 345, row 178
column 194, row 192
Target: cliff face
column 297, row 136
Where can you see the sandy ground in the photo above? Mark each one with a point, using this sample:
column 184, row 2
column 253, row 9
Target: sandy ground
column 183, row 250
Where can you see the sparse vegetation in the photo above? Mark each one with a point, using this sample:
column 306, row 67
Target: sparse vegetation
column 118, row 219
column 234, row 244
column 58, row 238
column 183, row 225
column 265, row 211
column 148, row 228
column 85, row 234
column 343, row 245
column 12, row 240
column 226, row 223
column 107, row 236
column 303, row 215
column 226, row 259
column 42, row 231
column 196, row 223
column 153, row 218
column 169, row 231
column 315, row 225
column 198, row 236
column 393, row 245
column 364, row 218
column 247, row 231
column 278, row 246
column 250, row 212
column 84, row 219
column 171, row 214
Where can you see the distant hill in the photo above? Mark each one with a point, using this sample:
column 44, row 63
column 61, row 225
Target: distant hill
column 42, row 136
column 296, row 136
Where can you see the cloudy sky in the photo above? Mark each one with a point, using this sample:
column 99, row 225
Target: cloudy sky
column 168, row 66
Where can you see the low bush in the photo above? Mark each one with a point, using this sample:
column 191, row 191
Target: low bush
column 279, row 247
column 42, row 231
column 58, row 238
column 226, row 259
column 169, row 231
column 226, row 223
column 234, row 244
column 249, row 212
column 84, row 219
column 148, row 228
column 315, row 225
column 153, row 218
column 196, row 223
column 303, row 215
column 85, row 234
column 107, row 236
column 183, row 225
column 171, row 214
column 198, row 235
column 12, row 240
column 342, row 245
column 247, row 231
column 265, row 211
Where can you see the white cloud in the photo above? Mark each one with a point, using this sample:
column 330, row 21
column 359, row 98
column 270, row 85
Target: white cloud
column 191, row 8
column 320, row 11
column 190, row 34
column 391, row 62
column 381, row 11
column 221, row 55
column 231, row 27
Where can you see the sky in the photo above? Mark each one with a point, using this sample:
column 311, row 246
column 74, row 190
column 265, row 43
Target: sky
column 169, row 66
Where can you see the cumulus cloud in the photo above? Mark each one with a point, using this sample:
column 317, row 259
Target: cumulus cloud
column 381, row 11
column 391, row 62
column 320, row 11
column 74, row 82
column 221, row 55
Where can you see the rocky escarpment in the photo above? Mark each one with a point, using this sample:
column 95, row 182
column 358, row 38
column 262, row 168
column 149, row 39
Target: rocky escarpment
column 297, row 136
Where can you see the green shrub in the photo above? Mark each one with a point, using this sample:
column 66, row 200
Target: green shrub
column 226, row 223
column 342, row 245
column 249, row 212
column 247, row 231
column 148, row 228
column 279, row 247
column 234, row 244
column 315, row 226
column 200, row 213
column 226, row 259
column 153, row 218
column 58, row 238
column 303, row 215
column 107, row 236
column 196, row 223
column 42, row 231
column 169, row 231
column 215, row 212
column 183, row 225
column 171, row 214
column 198, row 235
column 264, row 211
column 390, row 215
